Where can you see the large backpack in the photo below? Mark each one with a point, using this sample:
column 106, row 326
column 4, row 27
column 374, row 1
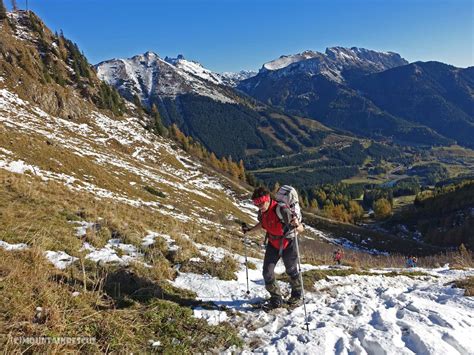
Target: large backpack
column 288, row 196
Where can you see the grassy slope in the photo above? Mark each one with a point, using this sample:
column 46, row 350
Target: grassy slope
column 39, row 212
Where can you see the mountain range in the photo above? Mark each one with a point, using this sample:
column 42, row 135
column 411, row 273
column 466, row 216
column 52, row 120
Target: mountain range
column 377, row 95
column 372, row 94
column 224, row 120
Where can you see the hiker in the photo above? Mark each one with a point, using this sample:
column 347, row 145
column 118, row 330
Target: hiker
column 338, row 254
column 280, row 233
column 411, row 261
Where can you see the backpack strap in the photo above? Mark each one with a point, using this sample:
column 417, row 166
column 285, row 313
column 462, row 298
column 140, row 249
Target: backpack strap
column 286, row 227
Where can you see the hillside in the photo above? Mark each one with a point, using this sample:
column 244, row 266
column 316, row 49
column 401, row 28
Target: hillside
column 224, row 120
column 93, row 194
column 433, row 94
column 443, row 217
column 50, row 70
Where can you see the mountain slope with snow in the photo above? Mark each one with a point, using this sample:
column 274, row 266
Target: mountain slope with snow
column 233, row 79
column 148, row 76
column 332, row 63
column 358, row 90
column 378, row 313
column 205, row 106
column 116, row 240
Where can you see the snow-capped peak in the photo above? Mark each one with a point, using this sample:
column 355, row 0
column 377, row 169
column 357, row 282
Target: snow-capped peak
column 194, row 68
column 147, row 75
column 356, row 56
column 233, row 79
column 286, row 60
column 332, row 62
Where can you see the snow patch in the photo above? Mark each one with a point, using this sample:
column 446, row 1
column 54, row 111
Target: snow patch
column 60, row 259
column 8, row 246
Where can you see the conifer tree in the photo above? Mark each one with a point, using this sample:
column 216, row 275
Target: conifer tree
column 241, row 170
column 224, row 164
column 138, row 103
column 382, row 208
column 214, row 161
column 158, row 124
column 234, row 169
column 3, row 11
column 14, row 5
column 355, row 210
column 251, row 179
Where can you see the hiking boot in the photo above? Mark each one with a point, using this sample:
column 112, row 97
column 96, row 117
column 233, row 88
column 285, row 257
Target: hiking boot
column 275, row 300
column 295, row 301
column 273, row 289
column 296, row 289
column 273, row 303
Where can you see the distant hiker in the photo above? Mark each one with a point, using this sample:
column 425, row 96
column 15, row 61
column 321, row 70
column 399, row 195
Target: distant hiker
column 411, row 261
column 281, row 227
column 338, row 254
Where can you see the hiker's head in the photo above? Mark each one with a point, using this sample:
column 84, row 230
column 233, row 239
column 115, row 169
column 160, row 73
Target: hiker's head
column 261, row 198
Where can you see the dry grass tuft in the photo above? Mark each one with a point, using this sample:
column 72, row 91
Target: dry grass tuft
column 467, row 284
column 126, row 321
column 224, row 270
column 321, row 253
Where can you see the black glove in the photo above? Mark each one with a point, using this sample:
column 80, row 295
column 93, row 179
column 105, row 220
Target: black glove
column 245, row 228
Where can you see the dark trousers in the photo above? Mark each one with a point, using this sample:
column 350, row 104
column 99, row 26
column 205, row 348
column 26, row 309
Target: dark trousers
column 272, row 255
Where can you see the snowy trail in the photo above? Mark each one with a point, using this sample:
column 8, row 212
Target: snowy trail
column 355, row 314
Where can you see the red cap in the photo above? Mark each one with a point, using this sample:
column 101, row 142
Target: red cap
column 259, row 200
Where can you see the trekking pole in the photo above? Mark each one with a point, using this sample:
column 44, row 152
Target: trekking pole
column 246, row 260
column 302, row 285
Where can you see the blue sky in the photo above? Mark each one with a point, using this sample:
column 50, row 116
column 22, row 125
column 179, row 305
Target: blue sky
column 229, row 35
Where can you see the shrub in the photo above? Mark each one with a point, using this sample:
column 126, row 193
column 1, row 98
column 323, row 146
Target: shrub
column 154, row 191
column 382, row 208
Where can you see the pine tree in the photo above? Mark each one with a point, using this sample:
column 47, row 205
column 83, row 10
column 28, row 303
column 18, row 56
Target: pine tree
column 250, row 178
column 355, row 210
column 3, row 11
column 157, row 123
column 137, row 103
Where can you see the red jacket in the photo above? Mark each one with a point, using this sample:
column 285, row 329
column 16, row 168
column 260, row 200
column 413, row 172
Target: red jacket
column 273, row 225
